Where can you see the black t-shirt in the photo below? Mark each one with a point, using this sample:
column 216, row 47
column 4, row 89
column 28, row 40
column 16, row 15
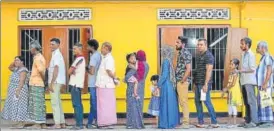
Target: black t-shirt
column 201, row 61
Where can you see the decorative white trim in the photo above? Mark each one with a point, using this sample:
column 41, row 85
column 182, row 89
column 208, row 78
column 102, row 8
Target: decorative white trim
column 193, row 13
column 55, row 14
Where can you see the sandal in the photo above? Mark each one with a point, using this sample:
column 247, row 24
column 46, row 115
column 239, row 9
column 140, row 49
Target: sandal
column 18, row 126
column 35, row 127
column 54, row 127
column 213, row 126
column 200, row 126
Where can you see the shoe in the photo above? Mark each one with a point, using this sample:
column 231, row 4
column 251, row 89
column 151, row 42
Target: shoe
column 106, row 127
column 213, row 126
column 76, row 128
column 91, row 126
column 250, row 125
column 185, row 126
column 242, row 125
column 266, row 125
column 231, row 126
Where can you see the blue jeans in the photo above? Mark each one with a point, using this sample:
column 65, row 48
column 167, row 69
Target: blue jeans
column 77, row 105
column 93, row 107
column 208, row 104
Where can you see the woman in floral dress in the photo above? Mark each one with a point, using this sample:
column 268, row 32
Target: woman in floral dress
column 16, row 104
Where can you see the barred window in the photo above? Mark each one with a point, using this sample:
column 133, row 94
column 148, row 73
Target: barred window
column 27, row 36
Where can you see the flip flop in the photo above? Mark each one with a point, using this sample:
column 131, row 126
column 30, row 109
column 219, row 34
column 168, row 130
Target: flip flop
column 54, row 127
column 200, row 126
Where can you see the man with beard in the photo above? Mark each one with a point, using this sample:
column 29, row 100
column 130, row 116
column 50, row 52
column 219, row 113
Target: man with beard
column 182, row 74
column 248, row 82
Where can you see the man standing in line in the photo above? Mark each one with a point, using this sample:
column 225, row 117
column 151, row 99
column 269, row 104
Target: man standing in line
column 182, row 77
column 94, row 63
column 203, row 83
column 265, row 83
column 76, row 84
column 105, row 83
column 248, row 82
column 37, row 107
column 57, row 79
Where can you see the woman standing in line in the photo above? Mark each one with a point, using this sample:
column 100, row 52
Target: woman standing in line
column 16, row 104
column 134, row 111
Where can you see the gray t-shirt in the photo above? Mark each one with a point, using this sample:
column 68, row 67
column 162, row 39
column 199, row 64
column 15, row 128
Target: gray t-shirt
column 95, row 60
column 248, row 63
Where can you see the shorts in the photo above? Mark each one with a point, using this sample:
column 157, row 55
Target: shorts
column 232, row 110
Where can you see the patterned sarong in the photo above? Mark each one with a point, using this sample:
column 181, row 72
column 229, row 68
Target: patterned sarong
column 265, row 114
column 37, row 105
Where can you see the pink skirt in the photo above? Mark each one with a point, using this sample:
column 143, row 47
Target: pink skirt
column 106, row 107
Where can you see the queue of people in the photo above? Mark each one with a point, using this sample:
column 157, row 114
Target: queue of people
column 25, row 101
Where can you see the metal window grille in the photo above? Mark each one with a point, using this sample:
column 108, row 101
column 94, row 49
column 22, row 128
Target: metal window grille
column 27, row 36
column 74, row 37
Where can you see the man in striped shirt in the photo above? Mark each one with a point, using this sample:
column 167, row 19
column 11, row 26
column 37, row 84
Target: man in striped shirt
column 203, row 83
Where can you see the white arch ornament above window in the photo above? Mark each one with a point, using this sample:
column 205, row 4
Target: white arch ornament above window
column 193, row 13
column 67, row 14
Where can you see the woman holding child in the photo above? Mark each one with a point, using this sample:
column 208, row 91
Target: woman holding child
column 135, row 75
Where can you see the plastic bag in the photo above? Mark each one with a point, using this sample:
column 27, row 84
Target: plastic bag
column 266, row 99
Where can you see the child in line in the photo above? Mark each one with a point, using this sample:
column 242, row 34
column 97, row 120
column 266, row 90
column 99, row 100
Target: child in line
column 155, row 99
column 234, row 98
column 131, row 59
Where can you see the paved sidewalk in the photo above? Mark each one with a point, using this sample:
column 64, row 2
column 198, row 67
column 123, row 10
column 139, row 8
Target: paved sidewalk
column 149, row 125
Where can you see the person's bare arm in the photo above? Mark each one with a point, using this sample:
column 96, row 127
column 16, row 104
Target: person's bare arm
column 187, row 72
column 110, row 74
column 91, row 70
column 12, row 66
column 71, row 70
column 23, row 76
column 41, row 66
column 268, row 75
column 209, row 69
column 22, row 79
column 55, row 74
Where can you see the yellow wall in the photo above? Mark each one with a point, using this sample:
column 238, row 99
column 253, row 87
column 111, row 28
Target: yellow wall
column 130, row 26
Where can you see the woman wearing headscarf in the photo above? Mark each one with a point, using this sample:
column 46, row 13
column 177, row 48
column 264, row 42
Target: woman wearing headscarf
column 142, row 71
column 134, row 111
column 169, row 112
column 16, row 104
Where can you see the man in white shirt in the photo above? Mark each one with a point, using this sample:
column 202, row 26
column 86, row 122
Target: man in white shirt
column 92, row 69
column 57, row 78
column 76, row 83
column 106, row 100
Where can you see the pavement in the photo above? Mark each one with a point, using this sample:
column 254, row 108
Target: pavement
column 149, row 125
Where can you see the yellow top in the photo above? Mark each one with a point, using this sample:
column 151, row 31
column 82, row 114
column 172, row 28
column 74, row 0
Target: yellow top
column 234, row 93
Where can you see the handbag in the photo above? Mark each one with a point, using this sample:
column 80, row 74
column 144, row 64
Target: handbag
column 265, row 99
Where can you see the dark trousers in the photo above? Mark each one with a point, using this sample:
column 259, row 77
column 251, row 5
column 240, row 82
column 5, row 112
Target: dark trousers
column 93, row 105
column 77, row 104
